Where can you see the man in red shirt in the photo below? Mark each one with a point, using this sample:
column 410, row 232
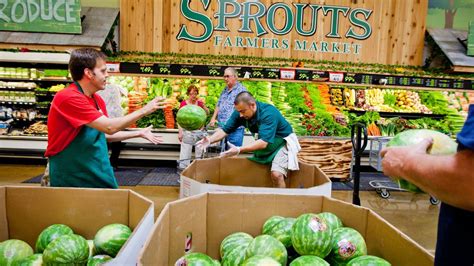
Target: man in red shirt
column 78, row 126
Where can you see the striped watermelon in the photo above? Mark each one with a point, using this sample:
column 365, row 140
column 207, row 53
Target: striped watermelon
column 234, row 240
column 67, row 249
column 98, row 260
column 196, row 259
column 235, row 256
column 261, row 261
column 13, row 250
column 49, row 234
column 268, row 246
column 347, row 244
column 333, row 221
column 442, row 145
column 311, row 235
column 110, row 239
column 191, row 117
column 309, row 260
column 33, row 260
column 92, row 250
column 281, row 230
column 368, row 261
column 270, row 223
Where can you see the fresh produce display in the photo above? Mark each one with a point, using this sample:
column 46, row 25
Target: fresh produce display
column 368, row 260
column 347, row 244
column 51, row 233
column 13, row 250
column 58, row 245
column 67, row 249
column 191, row 117
column 309, row 260
column 268, row 246
column 316, row 239
column 110, row 239
column 33, row 260
column 98, row 260
column 196, row 259
column 442, row 145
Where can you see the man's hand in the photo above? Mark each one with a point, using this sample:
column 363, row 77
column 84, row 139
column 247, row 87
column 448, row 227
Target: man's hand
column 233, row 151
column 394, row 158
column 212, row 123
column 155, row 104
column 203, row 143
column 180, row 135
column 148, row 135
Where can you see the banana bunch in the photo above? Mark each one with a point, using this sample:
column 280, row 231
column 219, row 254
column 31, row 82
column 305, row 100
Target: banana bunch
column 349, row 97
column 374, row 97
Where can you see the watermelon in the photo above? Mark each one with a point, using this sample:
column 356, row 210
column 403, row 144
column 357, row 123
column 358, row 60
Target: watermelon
column 311, row 235
column 196, row 259
column 368, row 260
column 50, row 233
column 191, row 117
column 91, row 248
column 234, row 240
column 347, row 244
column 333, row 221
column 14, row 250
column 260, row 260
column 309, row 260
column 110, row 239
column 268, row 246
column 282, row 231
column 270, row 223
column 442, row 145
column 33, row 260
column 98, row 260
column 235, row 256
column 66, row 249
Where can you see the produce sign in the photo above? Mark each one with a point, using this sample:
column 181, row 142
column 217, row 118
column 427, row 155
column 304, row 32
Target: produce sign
column 297, row 74
column 59, row 16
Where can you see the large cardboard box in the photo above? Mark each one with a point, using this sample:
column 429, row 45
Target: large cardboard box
column 204, row 220
column 26, row 211
column 243, row 175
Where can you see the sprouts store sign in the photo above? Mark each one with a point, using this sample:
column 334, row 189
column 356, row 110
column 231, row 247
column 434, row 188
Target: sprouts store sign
column 279, row 20
column 60, row 16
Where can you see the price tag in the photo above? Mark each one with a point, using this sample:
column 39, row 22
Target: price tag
column 336, row 77
column 146, row 68
column 113, row 67
column 287, row 74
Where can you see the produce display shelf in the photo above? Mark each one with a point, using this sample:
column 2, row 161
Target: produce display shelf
column 401, row 114
column 17, row 103
column 55, row 79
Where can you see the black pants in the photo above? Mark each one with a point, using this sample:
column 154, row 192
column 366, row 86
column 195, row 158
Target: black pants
column 455, row 245
column 115, row 148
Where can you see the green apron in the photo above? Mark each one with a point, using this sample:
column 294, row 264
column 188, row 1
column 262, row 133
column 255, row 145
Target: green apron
column 266, row 155
column 84, row 162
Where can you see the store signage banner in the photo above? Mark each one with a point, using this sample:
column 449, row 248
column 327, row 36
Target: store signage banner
column 55, row 16
column 277, row 19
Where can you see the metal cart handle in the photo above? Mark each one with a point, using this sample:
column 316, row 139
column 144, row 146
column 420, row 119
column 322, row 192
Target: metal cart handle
column 356, row 138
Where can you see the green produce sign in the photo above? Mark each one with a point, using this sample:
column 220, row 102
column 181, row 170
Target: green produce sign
column 256, row 19
column 58, row 16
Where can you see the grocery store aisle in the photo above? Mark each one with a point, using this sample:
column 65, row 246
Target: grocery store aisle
column 411, row 213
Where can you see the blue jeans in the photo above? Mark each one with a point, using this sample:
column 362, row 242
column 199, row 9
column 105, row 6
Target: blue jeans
column 236, row 138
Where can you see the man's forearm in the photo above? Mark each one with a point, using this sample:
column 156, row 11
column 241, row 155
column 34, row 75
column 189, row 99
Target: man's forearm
column 214, row 115
column 257, row 145
column 217, row 136
column 122, row 135
column 449, row 178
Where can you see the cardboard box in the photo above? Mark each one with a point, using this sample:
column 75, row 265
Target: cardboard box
column 243, row 175
column 26, row 211
column 209, row 218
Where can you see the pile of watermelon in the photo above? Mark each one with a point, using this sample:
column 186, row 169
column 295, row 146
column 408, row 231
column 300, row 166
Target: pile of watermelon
column 311, row 239
column 58, row 245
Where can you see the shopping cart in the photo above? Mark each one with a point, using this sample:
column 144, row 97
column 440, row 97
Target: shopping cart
column 211, row 151
column 383, row 187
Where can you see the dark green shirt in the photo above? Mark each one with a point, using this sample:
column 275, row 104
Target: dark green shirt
column 267, row 122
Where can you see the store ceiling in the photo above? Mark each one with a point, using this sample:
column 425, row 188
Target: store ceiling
column 95, row 28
